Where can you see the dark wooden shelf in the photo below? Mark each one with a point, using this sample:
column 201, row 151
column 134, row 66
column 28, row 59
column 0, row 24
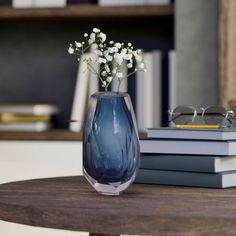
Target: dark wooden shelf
column 86, row 11
column 52, row 135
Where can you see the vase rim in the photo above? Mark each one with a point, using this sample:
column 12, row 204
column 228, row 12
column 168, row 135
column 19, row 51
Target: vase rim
column 110, row 94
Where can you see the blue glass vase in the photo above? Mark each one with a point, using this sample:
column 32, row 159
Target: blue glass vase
column 111, row 152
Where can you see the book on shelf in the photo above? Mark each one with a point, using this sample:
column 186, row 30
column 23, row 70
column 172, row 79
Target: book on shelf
column 187, row 146
column 47, row 3
column 149, row 95
column 202, row 134
column 120, row 2
column 172, row 80
column 22, row 3
column 29, row 109
column 80, row 95
column 6, row 118
column 6, row 2
column 157, row 2
column 93, row 83
column 81, row 1
column 190, row 163
column 26, row 126
column 183, row 178
column 133, row 2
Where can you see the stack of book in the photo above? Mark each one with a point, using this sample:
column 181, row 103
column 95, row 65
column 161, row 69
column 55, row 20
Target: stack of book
column 25, row 117
column 189, row 157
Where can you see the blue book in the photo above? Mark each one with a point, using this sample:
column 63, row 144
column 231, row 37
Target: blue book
column 202, row 134
column 187, row 146
column 182, row 178
column 195, row 163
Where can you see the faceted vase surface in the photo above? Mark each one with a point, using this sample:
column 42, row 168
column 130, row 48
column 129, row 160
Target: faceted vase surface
column 111, row 153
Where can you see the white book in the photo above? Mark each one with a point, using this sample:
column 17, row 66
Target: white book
column 202, row 134
column 194, row 147
column 183, row 178
column 157, row 2
column 29, row 109
column 22, row 3
column 139, row 103
column 120, row 2
column 80, row 95
column 93, row 85
column 49, row 3
column 172, row 80
column 124, row 84
column 29, row 126
column 152, row 90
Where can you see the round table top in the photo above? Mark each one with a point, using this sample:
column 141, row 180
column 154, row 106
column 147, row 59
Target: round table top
column 71, row 203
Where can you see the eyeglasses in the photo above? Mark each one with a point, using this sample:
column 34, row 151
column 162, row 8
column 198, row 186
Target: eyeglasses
column 212, row 115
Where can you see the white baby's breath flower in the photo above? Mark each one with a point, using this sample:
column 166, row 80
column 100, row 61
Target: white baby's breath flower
column 138, row 51
column 107, row 68
column 129, row 65
column 138, row 58
column 111, row 42
column 90, row 41
column 85, row 35
column 109, row 79
column 103, row 37
column 78, row 45
column 104, row 82
column 101, row 60
column 92, row 37
column 83, row 43
column 118, row 58
column 124, row 51
column 108, row 57
column 129, row 44
column 104, row 73
column 71, row 50
column 119, row 75
column 141, row 66
column 96, row 30
column 110, row 50
column 94, row 46
column 128, row 56
column 118, row 45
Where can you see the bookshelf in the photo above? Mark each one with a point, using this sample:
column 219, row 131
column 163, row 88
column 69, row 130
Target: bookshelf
column 86, row 11
column 50, row 30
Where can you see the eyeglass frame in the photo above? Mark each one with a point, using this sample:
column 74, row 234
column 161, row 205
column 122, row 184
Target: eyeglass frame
column 195, row 114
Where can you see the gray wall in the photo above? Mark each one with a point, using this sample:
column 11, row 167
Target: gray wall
column 197, row 52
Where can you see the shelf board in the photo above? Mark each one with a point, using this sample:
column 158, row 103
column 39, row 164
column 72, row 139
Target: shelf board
column 87, row 12
column 52, row 135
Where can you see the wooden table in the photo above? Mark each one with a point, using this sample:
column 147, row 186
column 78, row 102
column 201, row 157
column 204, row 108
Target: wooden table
column 70, row 203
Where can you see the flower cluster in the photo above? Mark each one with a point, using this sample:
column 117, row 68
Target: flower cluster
column 109, row 56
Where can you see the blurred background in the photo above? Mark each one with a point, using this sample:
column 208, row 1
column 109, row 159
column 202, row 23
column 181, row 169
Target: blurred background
column 194, row 41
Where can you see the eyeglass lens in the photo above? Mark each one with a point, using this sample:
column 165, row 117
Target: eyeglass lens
column 183, row 115
column 214, row 115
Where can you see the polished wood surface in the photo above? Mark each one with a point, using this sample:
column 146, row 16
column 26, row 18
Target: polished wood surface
column 71, row 203
column 86, row 11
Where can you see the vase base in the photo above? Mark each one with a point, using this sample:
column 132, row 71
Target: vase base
column 111, row 189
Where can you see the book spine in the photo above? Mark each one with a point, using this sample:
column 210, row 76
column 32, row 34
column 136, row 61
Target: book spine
column 120, row 2
column 172, row 80
column 139, row 100
column 51, row 3
column 179, row 178
column 80, row 96
column 188, row 163
column 22, row 3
